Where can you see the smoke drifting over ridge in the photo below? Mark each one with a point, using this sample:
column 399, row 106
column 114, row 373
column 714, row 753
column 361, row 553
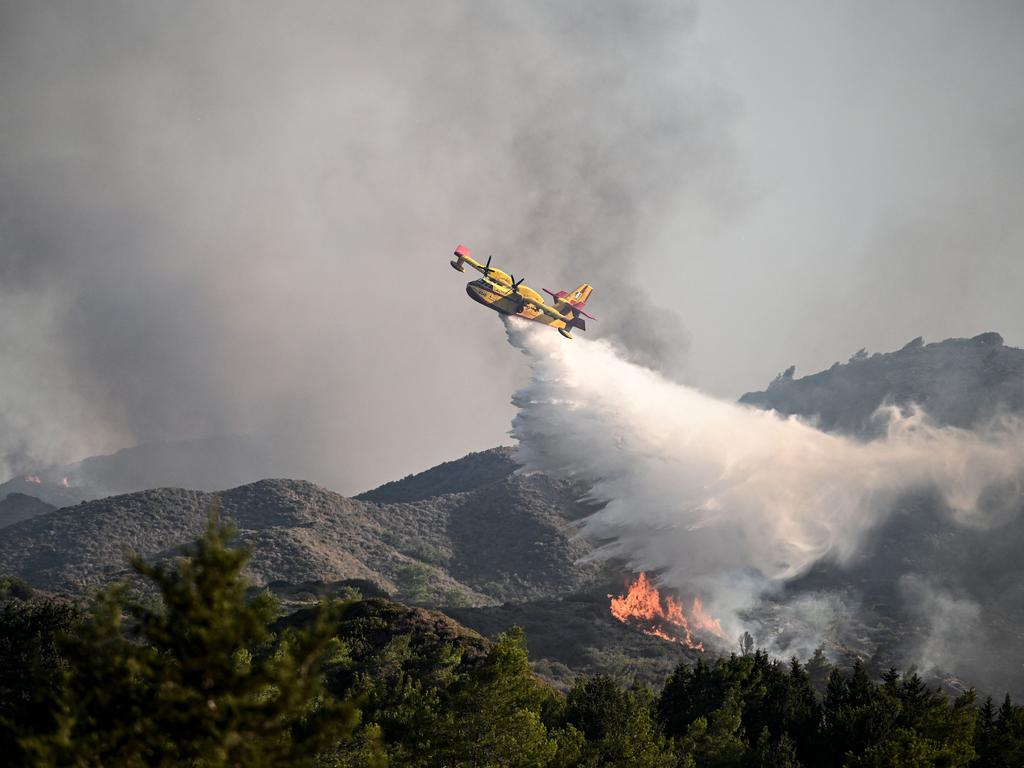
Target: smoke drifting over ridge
column 730, row 502
column 219, row 219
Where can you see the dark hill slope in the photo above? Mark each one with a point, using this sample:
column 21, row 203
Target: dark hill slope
column 513, row 539
column 577, row 635
column 368, row 626
column 960, row 382
column 48, row 488
column 470, row 473
column 16, row 507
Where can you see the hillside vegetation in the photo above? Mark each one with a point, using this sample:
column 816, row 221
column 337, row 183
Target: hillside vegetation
column 497, row 537
column 16, row 507
column 205, row 675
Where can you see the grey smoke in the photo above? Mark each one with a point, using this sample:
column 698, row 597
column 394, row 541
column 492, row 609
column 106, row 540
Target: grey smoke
column 234, row 218
column 956, row 632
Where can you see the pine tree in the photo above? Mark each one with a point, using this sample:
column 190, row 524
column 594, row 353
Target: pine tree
column 1006, row 738
column 617, row 725
column 717, row 741
column 774, row 754
column 818, row 670
column 195, row 676
column 31, row 666
column 597, row 706
column 493, row 717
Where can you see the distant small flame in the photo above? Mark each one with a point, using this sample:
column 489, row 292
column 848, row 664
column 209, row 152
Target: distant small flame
column 662, row 616
column 66, row 483
column 34, row 479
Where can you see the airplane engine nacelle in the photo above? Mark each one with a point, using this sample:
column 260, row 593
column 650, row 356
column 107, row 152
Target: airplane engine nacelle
column 532, row 295
column 499, row 277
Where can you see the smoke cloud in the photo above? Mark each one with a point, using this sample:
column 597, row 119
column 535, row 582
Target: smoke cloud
column 733, row 503
column 236, row 218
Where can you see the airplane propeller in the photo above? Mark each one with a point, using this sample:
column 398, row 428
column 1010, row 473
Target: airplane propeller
column 520, row 301
column 487, row 266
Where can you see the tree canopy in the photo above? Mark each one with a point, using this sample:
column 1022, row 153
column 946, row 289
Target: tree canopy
column 192, row 667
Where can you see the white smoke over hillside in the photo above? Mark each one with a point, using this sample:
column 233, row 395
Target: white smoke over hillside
column 726, row 501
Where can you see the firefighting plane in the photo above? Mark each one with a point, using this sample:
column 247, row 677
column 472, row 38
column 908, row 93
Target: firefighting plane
column 503, row 293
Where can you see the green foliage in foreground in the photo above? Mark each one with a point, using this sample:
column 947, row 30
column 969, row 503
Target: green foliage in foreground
column 194, row 677
column 201, row 675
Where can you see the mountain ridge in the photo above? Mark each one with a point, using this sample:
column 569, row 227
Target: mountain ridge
column 511, row 539
column 958, row 382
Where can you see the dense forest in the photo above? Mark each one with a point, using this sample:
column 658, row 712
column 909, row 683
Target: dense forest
column 198, row 669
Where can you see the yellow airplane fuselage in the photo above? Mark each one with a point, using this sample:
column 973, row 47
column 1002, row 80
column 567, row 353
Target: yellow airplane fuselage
column 501, row 298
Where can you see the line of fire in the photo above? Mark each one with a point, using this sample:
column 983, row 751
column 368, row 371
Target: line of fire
column 646, row 608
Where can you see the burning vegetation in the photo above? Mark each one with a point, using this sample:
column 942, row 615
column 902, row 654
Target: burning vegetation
column 38, row 480
column 644, row 607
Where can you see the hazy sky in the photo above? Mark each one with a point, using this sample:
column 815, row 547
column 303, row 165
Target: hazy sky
column 235, row 217
column 882, row 146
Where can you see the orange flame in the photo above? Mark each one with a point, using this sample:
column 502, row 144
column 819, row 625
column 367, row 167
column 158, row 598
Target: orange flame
column 662, row 616
column 705, row 621
column 66, row 483
column 34, row 479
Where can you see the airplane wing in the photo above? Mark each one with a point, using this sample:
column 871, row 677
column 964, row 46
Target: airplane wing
column 462, row 257
column 547, row 310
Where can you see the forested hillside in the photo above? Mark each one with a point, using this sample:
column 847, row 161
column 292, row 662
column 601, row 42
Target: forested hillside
column 207, row 675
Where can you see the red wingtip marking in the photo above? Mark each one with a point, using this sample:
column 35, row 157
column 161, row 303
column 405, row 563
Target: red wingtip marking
column 462, row 250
